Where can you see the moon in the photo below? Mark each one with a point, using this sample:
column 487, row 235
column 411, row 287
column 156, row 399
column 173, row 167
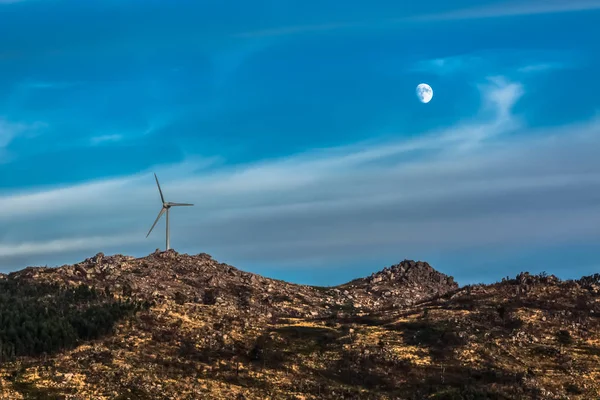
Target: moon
column 424, row 92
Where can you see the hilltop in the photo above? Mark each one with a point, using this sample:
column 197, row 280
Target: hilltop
column 176, row 326
column 164, row 276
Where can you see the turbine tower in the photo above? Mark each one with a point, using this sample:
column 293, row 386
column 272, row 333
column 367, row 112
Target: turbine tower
column 166, row 206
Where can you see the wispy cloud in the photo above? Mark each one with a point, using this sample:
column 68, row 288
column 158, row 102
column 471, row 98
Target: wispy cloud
column 96, row 140
column 541, row 67
column 48, row 85
column 449, row 65
column 506, row 61
column 461, row 187
column 513, row 8
column 496, row 10
column 298, row 29
column 91, row 243
column 501, row 95
column 10, row 130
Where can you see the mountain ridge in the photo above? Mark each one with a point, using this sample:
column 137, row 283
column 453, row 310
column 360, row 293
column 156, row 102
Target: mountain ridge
column 167, row 274
column 177, row 326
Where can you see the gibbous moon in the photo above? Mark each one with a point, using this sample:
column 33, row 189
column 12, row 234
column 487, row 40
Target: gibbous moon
column 424, row 93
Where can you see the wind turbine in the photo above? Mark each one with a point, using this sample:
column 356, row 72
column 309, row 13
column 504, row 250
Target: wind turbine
column 166, row 206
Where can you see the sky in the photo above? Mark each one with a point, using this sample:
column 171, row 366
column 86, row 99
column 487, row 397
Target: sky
column 294, row 128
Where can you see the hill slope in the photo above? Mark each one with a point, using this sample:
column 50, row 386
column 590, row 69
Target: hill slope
column 172, row 326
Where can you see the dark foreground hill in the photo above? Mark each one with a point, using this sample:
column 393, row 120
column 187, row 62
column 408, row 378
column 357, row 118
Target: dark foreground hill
column 172, row 326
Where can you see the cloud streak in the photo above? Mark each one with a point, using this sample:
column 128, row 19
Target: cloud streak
column 96, row 140
column 91, row 243
column 512, row 9
column 541, row 67
column 300, row 29
column 498, row 10
column 502, row 62
column 49, row 85
column 10, row 131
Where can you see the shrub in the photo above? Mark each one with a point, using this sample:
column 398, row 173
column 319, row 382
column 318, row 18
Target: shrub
column 210, row 297
column 564, row 337
column 180, row 298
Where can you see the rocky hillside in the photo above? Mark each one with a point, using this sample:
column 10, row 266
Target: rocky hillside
column 401, row 285
column 199, row 279
column 174, row 326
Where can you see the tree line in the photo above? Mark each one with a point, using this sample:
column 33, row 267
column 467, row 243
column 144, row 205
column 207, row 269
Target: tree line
column 37, row 319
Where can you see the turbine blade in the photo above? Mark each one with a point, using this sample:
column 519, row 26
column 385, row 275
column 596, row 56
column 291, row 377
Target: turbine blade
column 162, row 210
column 160, row 191
column 180, row 204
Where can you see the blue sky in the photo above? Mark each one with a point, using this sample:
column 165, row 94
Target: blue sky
column 294, row 128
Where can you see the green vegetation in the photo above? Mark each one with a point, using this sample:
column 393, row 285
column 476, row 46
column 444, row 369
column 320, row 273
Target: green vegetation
column 37, row 319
